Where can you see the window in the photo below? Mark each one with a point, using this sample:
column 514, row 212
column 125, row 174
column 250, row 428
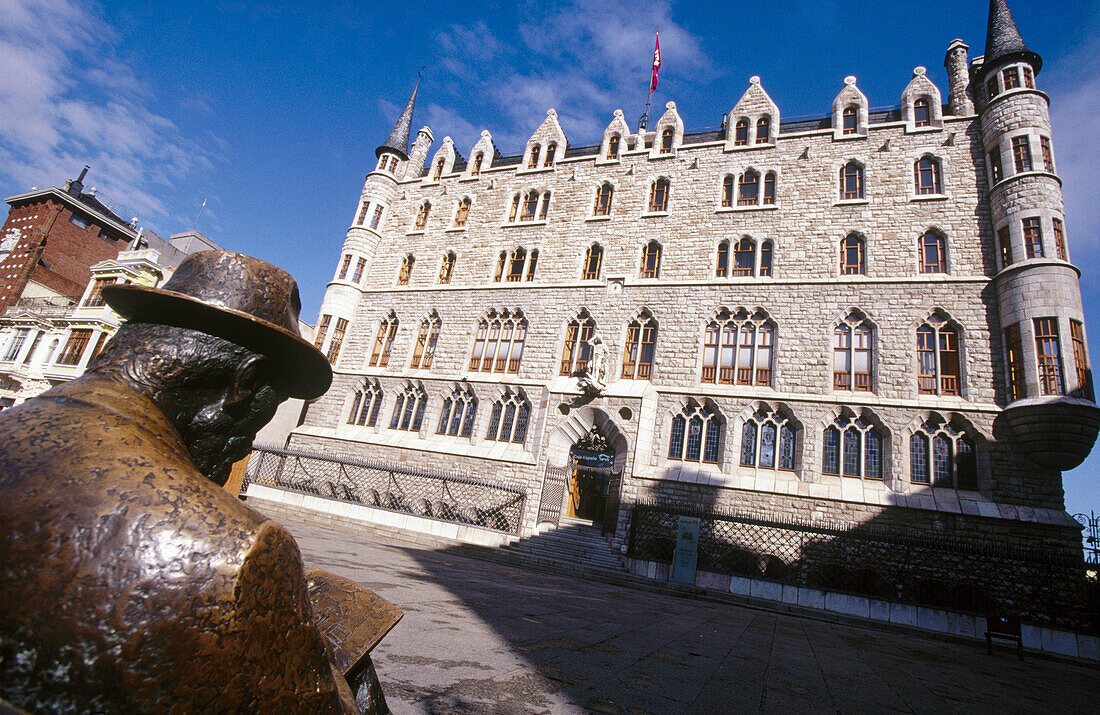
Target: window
column 578, row 347
column 768, row 441
column 17, row 343
column 744, row 257
column 1049, row 354
column 447, row 267
column 851, row 181
column 737, row 348
column 666, row 140
column 1011, row 77
column 926, row 176
column 463, row 213
column 457, row 416
column 852, row 354
column 319, row 339
column 74, row 349
column 942, row 456
column 426, row 339
column 696, row 434
column 545, row 208
column 438, row 169
column 530, row 205
column 1059, row 239
column 722, row 265
column 922, row 113
column 408, row 410
column 393, row 164
column 78, row 221
column 551, row 149
column 365, row 406
column 651, row 260
column 383, row 342
column 613, row 147
column 376, row 218
column 937, row 358
column 344, row 267
column 763, row 128
column 359, row 265
column 991, row 88
column 1033, row 237
column 515, row 266
column 362, row 218
column 933, row 253
column 405, row 273
column 641, row 342
column 534, row 160
column 658, row 196
column 850, row 118
column 1006, row 246
column 766, row 259
column 852, row 256
column 769, row 189
column 531, row 263
column 592, row 260
column 1029, row 77
column 1021, row 153
column 502, row 261
column 996, row 169
column 508, row 421
column 852, row 448
column 1017, row 387
column 514, row 210
column 422, row 216
column 1077, row 334
column 382, row 162
column 475, row 169
column 95, row 296
column 727, row 191
column 498, row 345
column 1048, row 154
column 603, row 200
column 748, row 188
column 337, row 339
column 741, row 133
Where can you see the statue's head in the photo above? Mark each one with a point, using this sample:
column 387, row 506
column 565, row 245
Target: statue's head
column 217, row 348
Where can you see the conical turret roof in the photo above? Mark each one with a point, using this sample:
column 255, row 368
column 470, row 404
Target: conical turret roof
column 1003, row 41
column 398, row 140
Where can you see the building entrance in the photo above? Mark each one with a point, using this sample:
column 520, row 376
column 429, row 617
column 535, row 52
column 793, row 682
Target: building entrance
column 591, row 460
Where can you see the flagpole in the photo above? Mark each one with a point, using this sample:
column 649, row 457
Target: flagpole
column 643, row 121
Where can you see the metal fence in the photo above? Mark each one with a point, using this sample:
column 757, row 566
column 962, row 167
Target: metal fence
column 436, row 495
column 897, row 564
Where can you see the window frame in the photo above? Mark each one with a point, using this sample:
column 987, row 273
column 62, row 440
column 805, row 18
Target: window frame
column 939, row 246
column 659, row 192
column 640, row 347
column 939, row 348
column 711, row 429
column 852, row 186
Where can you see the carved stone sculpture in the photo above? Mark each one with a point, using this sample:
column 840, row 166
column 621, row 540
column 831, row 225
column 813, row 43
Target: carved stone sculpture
column 131, row 582
column 594, row 378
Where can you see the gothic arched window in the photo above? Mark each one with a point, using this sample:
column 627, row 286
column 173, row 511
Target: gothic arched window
column 727, row 191
column 603, row 200
column 458, row 412
column 422, row 216
column 768, row 441
column 578, row 349
column 651, row 260
column 498, row 345
column 937, row 357
column 509, row 419
column 383, row 342
column 933, row 253
column 926, row 176
column 852, row 353
column 641, row 343
column 853, row 448
column 613, row 147
column 424, row 350
column 462, row 213
column 853, row 259
column 922, row 113
column 408, row 410
column 748, row 188
column 851, row 181
column 593, row 258
column 405, row 273
column 943, row 455
column 365, row 405
column 850, row 119
column 475, row 169
column 741, row 132
column 666, row 140
column 696, row 434
column 737, row 348
column 763, row 128
column 447, row 267
column 658, row 196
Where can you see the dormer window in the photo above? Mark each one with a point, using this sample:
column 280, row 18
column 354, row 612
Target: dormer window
column 476, row 168
column 922, row 113
column 1011, row 77
column 763, row 128
column 550, row 151
column 393, row 164
column 613, row 147
column 534, row 161
column 741, row 133
column 438, row 170
column 666, row 140
column 851, row 120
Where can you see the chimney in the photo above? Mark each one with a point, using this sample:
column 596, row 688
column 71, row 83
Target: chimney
column 76, row 186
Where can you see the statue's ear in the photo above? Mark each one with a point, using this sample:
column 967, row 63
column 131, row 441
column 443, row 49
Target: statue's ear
column 246, row 381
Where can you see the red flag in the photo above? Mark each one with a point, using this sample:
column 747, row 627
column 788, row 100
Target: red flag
column 656, row 63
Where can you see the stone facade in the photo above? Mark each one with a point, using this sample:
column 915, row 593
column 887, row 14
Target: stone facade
column 841, row 238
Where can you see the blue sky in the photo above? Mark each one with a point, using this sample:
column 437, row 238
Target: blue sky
column 271, row 112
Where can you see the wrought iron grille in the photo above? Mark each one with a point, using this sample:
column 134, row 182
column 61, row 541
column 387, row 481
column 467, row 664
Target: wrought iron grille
column 436, row 495
column 897, row 564
column 1090, row 536
column 553, row 495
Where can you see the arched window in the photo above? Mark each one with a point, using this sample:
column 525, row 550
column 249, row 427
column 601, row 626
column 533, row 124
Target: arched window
column 405, row 273
column 422, row 216
column 737, row 348
column 651, row 260
column 852, row 256
column 545, row 206
column 408, row 410
column 365, row 406
column 498, row 345
column 766, row 258
column 578, row 347
column 741, row 133
column 748, row 188
column 424, row 350
column 502, row 262
column 534, row 160
column 937, row 357
column 666, row 140
column 447, row 267
column 769, row 189
column 1048, row 352
column 438, row 169
column 658, row 196
column 383, row 343
column 696, row 434
column 851, row 119
column 509, row 419
column 515, row 266
column 475, row 169
column 592, row 260
column 744, row 257
column 922, row 113
column 926, row 176
column 763, row 128
column 851, row 181
column 853, row 448
column 531, row 263
column 512, row 213
column 641, row 343
column 463, row 212
column 457, row 416
column 943, row 455
column 613, row 147
column 722, row 264
column 727, row 191
column 603, row 200
column 852, row 352
column 768, row 441
column 551, row 150
column 530, row 205
column 933, row 253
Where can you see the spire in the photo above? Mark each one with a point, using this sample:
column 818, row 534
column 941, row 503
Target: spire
column 398, row 140
column 1003, row 41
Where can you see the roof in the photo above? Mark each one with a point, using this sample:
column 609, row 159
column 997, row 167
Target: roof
column 83, row 200
column 398, row 140
column 1003, row 42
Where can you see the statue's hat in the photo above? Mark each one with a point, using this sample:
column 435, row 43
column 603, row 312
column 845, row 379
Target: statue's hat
column 241, row 299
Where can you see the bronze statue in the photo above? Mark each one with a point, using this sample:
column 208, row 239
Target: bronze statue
column 130, row 580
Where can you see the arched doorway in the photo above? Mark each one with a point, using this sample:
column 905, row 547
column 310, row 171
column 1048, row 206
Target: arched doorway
column 592, row 462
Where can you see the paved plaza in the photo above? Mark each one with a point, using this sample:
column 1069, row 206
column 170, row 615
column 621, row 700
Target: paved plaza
column 484, row 637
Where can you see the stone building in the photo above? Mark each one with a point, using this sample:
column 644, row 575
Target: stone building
column 870, row 318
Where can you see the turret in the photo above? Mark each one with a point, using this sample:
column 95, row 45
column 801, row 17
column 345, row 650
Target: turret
column 1051, row 407
column 419, row 153
column 959, row 101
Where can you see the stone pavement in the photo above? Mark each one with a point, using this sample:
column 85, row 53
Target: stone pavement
column 484, row 637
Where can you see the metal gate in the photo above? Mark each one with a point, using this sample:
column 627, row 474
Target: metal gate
column 553, row 495
column 611, row 506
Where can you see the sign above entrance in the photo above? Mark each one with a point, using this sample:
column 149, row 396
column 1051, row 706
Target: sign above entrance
column 592, row 459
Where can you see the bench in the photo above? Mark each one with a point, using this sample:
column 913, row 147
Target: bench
column 1006, row 628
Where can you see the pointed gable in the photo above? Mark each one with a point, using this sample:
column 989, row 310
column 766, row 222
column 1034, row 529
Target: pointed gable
column 546, row 146
column 617, row 128
column 669, row 120
column 850, row 98
column 443, row 161
column 758, row 116
column 482, row 155
column 921, row 88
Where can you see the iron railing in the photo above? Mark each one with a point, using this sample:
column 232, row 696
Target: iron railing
column 896, row 564
column 1090, row 537
column 436, row 495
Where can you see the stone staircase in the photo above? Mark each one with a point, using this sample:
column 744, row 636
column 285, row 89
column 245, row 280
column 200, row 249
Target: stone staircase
column 576, row 545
